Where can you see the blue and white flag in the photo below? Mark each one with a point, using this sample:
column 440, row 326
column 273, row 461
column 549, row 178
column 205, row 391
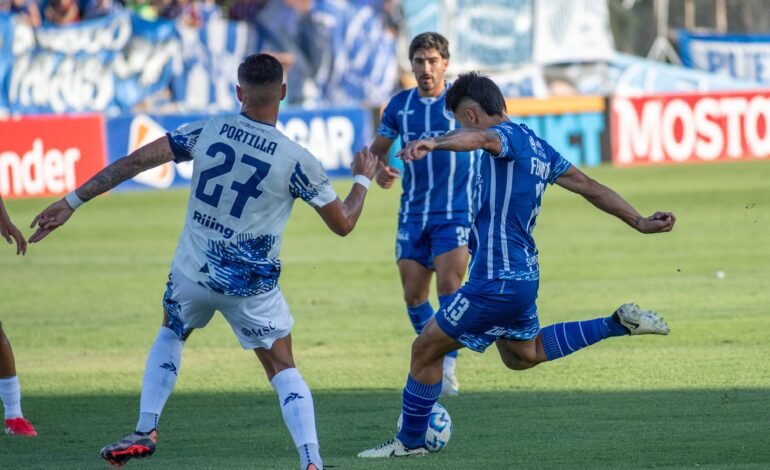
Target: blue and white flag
column 107, row 64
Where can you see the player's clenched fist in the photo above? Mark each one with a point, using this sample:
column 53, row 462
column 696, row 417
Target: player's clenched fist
column 365, row 163
column 656, row 223
column 386, row 175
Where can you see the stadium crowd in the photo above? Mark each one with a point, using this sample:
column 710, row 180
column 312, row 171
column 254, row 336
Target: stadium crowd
column 192, row 12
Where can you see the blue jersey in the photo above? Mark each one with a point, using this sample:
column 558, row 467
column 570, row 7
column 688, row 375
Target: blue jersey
column 438, row 187
column 507, row 195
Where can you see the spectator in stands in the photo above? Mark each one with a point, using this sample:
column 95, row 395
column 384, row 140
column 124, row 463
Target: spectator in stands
column 62, row 12
column 208, row 10
column 26, row 10
column 145, row 9
column 99, row 8
column 246, row 10
column 185, row 11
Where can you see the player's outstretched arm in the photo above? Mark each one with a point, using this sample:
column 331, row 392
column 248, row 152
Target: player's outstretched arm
column 611, row 202
column 386, row 174
column 341, row 217
column 460, row 140
column 149, row 156
column 10, row 232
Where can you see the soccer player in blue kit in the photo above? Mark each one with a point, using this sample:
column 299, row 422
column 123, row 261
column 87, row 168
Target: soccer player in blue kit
column 497, row 303
column 246, row 177
column 434, row 219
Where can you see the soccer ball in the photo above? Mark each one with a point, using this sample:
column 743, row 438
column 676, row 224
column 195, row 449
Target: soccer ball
column 439, row 428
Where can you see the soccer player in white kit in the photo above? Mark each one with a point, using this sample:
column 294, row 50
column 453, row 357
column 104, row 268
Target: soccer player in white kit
column 246, row 177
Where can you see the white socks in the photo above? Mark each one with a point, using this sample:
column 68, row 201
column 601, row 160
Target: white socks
column 160, row 374
column 10, row 394
column 297, row 408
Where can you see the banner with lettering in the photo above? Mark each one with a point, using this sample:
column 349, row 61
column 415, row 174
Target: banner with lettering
column 690, row 128
column 43, row 156
column 108, row 64
column 332, row 135
column 744, row 56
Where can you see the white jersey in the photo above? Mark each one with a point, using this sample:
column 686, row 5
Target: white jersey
column 246, row 175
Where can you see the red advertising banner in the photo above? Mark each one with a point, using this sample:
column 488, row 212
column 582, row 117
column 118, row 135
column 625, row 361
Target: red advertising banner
column 690, row 128
column 49, row 155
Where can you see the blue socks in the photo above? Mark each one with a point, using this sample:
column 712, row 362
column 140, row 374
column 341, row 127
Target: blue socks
column 562, row 339
column 418, row 400
column 420, row 315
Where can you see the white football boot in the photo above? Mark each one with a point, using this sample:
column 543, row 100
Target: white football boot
column 392, row 448
column 639, row 321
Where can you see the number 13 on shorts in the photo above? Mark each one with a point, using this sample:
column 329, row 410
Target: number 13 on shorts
column 456, row 309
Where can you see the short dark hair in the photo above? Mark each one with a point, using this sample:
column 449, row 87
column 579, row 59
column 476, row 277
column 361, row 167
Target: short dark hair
column 428, row 41
column 478, row 88
column 260, row 70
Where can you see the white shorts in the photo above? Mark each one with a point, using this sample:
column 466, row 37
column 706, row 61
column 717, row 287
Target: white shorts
column 257, row 321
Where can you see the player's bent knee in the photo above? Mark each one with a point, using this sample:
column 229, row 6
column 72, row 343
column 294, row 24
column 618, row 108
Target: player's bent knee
column 518, row 360
column 414, row 300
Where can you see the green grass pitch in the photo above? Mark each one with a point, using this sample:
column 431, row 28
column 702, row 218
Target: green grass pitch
column 83, row 307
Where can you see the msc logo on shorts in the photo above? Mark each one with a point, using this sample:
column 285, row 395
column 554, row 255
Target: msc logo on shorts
column 259, row 332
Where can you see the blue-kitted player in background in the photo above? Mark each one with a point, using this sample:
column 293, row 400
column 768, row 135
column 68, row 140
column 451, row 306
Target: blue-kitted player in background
column 434, row 218
column 497, row 304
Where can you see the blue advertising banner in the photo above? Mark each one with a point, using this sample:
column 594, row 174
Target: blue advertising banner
column 332, row 135
column 744, row 56
column 578, row 137
column 107, row 64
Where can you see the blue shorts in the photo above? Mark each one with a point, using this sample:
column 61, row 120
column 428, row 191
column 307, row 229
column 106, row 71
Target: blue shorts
column 476, row 319
column 423, row 243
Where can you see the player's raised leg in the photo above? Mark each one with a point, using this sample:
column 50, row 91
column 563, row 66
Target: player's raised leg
column 562, row 339
column 295, row 400
column 10, row 392
column 423, row 386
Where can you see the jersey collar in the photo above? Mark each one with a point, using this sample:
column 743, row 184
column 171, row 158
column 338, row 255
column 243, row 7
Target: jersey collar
column 254, row 120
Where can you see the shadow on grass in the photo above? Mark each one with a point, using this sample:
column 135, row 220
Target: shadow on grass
column 712, row 428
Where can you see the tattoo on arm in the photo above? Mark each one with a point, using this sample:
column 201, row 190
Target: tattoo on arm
column 149, row 156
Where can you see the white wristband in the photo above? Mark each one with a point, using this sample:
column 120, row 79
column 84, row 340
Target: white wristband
column 73, row 200
column 362, row 180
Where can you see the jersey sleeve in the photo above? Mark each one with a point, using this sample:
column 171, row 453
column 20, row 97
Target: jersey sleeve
column 184, row 139
column 309, row 182
column 389, row 125
column 509, row 135
column 559, row 164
